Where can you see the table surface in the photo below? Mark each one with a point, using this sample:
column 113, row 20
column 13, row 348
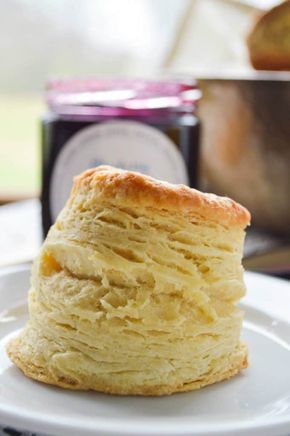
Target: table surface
column 20, row 235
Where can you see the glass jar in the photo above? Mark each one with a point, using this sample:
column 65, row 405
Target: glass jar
column 146, row 126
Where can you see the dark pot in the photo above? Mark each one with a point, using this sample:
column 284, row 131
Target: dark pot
column 245, row 150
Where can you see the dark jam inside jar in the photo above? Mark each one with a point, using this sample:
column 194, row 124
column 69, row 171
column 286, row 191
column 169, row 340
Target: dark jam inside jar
column 145, row 126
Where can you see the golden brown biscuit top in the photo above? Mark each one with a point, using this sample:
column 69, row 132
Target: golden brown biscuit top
column 130, row 188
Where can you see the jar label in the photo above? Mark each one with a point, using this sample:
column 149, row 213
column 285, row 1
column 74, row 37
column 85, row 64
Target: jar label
column 124, row 144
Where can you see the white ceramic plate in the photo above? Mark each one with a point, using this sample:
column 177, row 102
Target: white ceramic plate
column 254, row 403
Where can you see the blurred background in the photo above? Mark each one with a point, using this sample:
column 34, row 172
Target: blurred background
column 203, row 40
column 59, row 38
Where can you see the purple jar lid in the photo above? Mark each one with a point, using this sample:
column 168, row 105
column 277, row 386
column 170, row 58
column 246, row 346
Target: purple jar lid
column 121, row 97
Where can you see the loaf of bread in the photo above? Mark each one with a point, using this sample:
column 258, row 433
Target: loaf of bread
column 269, row 40
column 135, row 289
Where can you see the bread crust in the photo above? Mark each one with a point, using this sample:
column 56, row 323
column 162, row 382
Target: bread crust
column 135, row 189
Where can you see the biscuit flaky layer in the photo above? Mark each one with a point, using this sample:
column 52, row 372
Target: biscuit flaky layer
column 136, row 297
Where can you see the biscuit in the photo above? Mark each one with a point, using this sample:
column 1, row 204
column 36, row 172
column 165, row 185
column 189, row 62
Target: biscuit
column 135, row 289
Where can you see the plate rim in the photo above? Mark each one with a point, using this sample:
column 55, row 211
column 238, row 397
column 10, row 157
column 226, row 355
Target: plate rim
column 16, row 417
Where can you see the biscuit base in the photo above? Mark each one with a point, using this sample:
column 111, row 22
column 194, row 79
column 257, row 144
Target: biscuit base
column 237, row 361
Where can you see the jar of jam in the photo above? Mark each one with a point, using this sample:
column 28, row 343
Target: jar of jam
column 146, row 126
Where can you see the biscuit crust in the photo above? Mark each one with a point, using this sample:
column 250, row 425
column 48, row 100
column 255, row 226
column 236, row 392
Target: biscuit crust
column 135, row 189
column 234, row 365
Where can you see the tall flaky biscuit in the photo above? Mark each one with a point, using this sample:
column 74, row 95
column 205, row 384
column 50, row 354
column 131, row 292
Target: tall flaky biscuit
column 135, row 289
